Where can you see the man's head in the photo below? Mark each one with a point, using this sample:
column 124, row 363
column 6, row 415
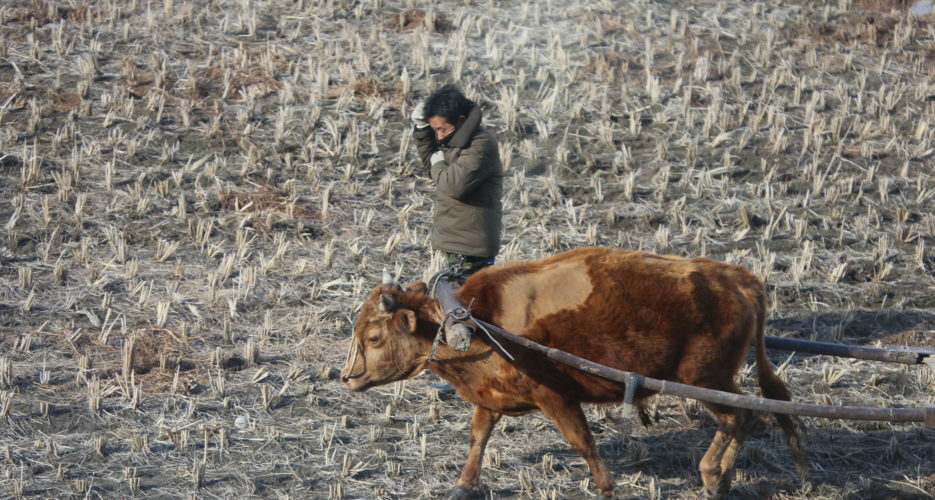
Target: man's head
column 446, row 109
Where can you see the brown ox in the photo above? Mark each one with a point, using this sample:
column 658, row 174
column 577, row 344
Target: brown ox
column 687, row 320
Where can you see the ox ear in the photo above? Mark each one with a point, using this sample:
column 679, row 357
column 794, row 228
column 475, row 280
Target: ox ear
column 418, row 287
column 408, row 319
column 388, row 303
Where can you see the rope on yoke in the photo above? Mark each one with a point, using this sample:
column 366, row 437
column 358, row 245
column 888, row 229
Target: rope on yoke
column 438, row 337
column 461, row 316
column 452, row 320
column 494, row 340
column 458, row 317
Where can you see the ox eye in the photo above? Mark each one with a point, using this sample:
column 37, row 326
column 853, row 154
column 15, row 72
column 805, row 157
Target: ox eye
column 373, row 340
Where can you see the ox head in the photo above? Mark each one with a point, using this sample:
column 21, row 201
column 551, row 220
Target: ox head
column 384, row 347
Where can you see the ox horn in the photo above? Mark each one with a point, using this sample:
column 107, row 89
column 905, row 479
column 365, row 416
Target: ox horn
column 388, row 303
column 387, row 279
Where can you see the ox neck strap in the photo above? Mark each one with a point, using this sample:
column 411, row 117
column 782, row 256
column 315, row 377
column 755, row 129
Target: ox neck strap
column 438, row 337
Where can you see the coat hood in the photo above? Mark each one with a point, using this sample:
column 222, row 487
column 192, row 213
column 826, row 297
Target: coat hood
column 462, row 136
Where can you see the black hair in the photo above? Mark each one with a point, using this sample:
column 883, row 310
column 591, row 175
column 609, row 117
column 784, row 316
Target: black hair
column 449, row 103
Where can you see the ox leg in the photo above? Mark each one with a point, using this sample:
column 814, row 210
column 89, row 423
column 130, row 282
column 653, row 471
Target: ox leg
column 718, row 462
column 729, row 459
column 482, row 423
column 571, row 421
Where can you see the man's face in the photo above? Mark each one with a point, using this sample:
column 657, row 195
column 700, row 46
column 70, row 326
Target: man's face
column 442, row 127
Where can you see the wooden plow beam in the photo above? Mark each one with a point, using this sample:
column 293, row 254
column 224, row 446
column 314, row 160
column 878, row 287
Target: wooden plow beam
column 444, row 293
column 903, row 355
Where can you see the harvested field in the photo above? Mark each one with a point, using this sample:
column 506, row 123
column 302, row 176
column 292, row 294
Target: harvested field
column 195, row 195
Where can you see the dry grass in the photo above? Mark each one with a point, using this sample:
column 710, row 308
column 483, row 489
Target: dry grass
column 412, row 19
column 195, row 196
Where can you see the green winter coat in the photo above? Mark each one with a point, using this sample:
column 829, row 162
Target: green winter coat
column 468, row 188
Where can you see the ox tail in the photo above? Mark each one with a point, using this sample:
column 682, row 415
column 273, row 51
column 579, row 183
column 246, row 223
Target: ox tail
column 774, row 388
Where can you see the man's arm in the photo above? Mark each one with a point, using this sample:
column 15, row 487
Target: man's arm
column 426, row 145
column 471, row 168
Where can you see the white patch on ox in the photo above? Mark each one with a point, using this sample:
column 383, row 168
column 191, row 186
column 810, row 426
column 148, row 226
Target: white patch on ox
column 557, row 287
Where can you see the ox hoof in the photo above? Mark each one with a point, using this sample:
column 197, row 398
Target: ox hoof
column 464, row 493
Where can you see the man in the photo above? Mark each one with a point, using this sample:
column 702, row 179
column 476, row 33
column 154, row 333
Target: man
column 464, row 162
